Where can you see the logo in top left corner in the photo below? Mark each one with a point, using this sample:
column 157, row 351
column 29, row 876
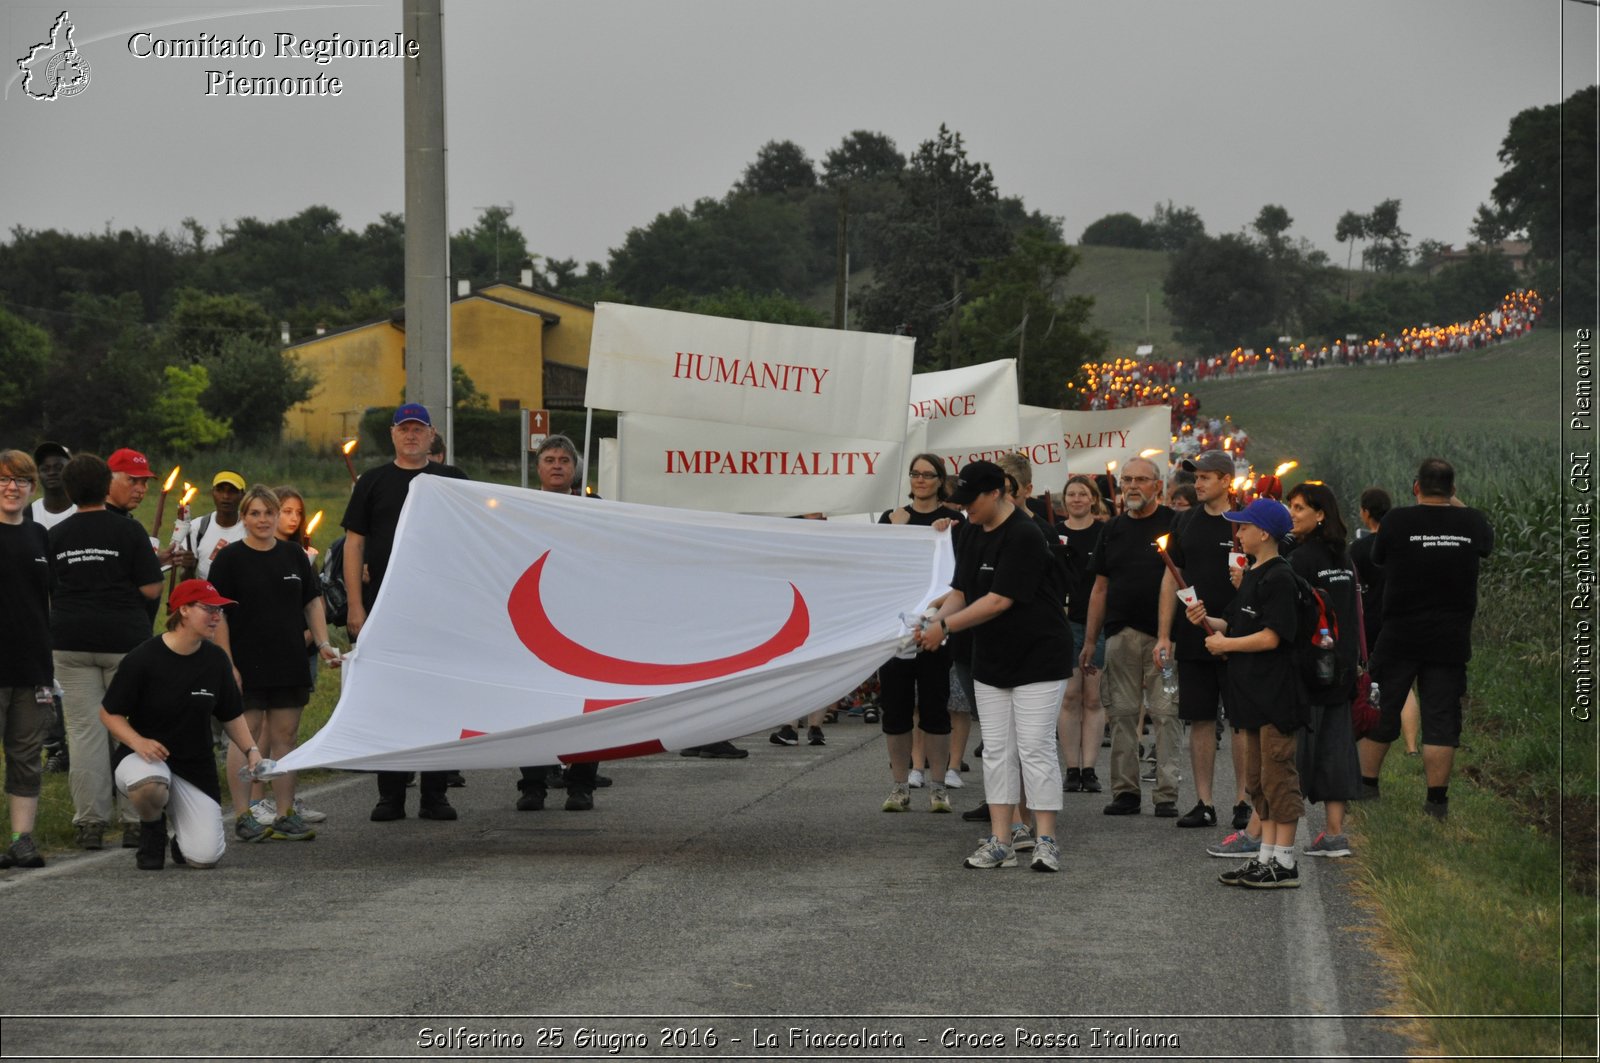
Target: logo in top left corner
column 55, row 69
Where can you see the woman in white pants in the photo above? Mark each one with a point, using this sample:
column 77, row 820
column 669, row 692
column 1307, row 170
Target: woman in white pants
column 1007, row 589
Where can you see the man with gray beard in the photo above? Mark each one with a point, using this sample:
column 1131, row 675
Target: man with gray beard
column 1127, row 590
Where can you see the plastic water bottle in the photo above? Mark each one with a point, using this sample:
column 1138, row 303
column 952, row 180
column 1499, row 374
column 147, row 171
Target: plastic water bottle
column 1326, row 665
column 1169, row 675
column 1372, row 694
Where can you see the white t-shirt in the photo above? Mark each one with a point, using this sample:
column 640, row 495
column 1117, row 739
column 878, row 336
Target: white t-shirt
column 214, row 538
column 47, row 519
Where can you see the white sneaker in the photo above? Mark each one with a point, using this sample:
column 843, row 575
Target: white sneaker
column 952, row 780
column 310, row 815
column 915, row 780
column 265, row 810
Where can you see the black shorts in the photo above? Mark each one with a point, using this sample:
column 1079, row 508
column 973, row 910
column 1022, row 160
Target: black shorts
column 1440, row 688
column 276, row 698
column 1201, row 688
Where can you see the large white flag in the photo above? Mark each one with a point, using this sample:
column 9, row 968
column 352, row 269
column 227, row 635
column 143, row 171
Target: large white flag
column 521, row 627
column 1091, row 439
column 973, row 406
column 823, row 381
column 1039, row 436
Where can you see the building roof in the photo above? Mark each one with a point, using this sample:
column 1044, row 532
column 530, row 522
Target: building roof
column 397, row 316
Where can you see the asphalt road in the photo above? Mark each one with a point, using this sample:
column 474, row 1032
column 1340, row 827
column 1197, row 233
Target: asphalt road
column 765, row 905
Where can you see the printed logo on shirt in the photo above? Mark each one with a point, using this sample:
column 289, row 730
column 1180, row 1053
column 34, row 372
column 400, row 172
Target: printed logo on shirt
column 201, row 693
column 1247, row 609
column 986, row 567
column 295, row 578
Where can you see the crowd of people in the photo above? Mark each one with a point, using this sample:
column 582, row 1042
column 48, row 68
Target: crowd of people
column 1165, row 605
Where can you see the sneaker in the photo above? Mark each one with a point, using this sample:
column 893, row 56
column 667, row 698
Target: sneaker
column 915, row 780
column 977, row 815
column 1089, row 781
column 784, row 736
column 939, row 801
column 1166, row 810
column 439, row 808
column 386, row 810
column 869, row 715
column 246, row 828
column 531, row 801
column 57, row 763
column 1232, row 876
column 952, row 780
column 723, row 751
column 152, row 855
column 1326, row 844
column 580, row 800
column 1046, row 855
column 1148, row 753
column 1071, row 783
column 1270, row 876
column 814, row 737
column 266, row 809
column 1439, row 810
column 22, row 853
column 131, row 835
column 1148, row 772
column 1123, row 805
column 1201, row 815
column 310, row 815
column 1236, row 844
column 1241, row 815
column 899, row 800
column 454, row 778
column 291, row 828
column 1021, row 837
column 991, row 854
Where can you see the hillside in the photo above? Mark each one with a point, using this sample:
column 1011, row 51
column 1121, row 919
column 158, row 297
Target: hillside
column 1119, row 279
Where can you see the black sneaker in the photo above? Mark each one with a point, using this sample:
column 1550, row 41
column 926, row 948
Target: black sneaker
column 1089, row 781
column 454, row 778
column 1241, row 815
column 1123, row 805
column 1201, row 815
column 531, row 801
column 1439, row 810
column 1270, row 876
column 1166, row 810
column 977, row 815
column 784, row 736
column 579, row 800
column 723, row 751
column 602, row 781
column 386, row 810
column 1071, row 784
column 152, row 845
column 814, row 737
column 1232, row 876
column 22, row 853
column 439, row 808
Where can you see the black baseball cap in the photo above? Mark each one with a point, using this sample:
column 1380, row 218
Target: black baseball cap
column 48, row 449
column 976, row 478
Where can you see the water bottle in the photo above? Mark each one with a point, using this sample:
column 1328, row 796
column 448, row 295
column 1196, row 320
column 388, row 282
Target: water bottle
column 1169, row 675
column 1372, row 694
column 1327, row 667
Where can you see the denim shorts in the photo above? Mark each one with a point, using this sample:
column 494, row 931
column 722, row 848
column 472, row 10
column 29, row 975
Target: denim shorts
column 1099, row 644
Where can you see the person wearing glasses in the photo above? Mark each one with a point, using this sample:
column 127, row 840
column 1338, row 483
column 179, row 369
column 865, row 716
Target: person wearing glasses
column 1124, row 602
column 159, row 708
column 26, row 699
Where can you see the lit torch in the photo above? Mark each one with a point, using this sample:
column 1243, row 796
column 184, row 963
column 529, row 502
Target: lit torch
column 348, row 464
column 161, row 504
column 180, row 529
column 1111, row 483
column 1161, row 545
column 311, row 526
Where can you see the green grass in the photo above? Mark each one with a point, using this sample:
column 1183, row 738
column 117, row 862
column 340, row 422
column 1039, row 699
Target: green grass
column 1119, row 279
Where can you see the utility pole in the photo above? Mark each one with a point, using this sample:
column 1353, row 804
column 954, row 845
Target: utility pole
column 841, row 259
column 427, row 235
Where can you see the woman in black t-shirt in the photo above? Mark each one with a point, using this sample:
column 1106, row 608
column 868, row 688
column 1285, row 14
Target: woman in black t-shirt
column 918, row 688
column 159, row 708
column 1007, row 591
column 276, row 600
column 1083, row 717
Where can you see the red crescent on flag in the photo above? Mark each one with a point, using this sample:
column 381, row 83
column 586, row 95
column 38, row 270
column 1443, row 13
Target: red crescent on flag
column 539, row 633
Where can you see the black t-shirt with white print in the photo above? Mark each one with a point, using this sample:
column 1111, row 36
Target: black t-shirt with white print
column 1029, row 642
column 1266, row 685
column 1199, row 546
column 266, row 628
column 173, row 697
column 25, row 605
column 1430, row 557
column 99, row 561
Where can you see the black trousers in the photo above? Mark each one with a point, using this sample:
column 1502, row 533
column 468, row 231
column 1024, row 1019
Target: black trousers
column 580, row 777
column 392, row 786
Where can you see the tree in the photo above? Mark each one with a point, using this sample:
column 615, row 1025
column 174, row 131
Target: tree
column 1118, row 230
column 253, row 384
column 1388, row 252
column 492, row 250
column 862, row 157
column 199, row 324
column 24, row 357
column 1271, row 224
column 780, row 166
column 1173, row 227
column 182, row 423
column 737, row 303
column 1490, row 227
column 1351, row 227
column 1220, row 292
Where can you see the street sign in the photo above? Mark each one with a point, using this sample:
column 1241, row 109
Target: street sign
column 538, row 427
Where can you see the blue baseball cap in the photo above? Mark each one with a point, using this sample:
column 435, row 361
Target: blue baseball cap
column 1270, row 515
column 413, row 411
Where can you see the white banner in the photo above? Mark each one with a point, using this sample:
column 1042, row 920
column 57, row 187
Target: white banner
column 968, row 407
column 822, row 381
column 520, row 627
column 606, row 471
column 1039, row 436
column 729, row 468
column 1093, row 438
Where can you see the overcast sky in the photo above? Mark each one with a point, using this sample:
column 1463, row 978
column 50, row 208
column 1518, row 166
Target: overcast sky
column 591, row 116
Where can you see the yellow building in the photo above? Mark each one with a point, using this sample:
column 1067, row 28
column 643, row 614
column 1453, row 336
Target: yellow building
column 522, row 348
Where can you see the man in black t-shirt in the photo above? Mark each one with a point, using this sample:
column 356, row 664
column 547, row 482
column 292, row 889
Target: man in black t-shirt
column 1127, row 584
column 1200, row 545
column 369, row 523
column 1430, row 554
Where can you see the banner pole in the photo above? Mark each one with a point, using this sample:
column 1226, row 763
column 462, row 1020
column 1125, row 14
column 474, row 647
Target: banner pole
column 523, row 447
column 588, row 430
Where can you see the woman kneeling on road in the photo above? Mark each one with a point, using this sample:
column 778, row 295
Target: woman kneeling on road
column 159, row 709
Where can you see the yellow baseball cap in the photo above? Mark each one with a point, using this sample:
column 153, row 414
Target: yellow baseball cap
column 226, row 477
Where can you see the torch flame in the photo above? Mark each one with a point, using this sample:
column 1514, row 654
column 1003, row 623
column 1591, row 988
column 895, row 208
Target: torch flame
column 1111, row 466
column 172, row 478
column 1238, row 482
column 311, row 525
column 1285, row 467
column 1161, row 542
column 189, row 490
column 1227, row 444
column 348, row 447
column 1150, row 453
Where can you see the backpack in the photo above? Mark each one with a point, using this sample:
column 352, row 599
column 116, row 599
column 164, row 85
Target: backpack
column 1313, row 612
column 335, row 600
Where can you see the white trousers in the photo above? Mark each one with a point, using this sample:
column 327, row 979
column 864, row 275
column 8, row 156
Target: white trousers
column 1019, row 743
column 196, row 819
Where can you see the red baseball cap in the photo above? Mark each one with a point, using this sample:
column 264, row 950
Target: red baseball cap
column 131, row 462
column 195, row 591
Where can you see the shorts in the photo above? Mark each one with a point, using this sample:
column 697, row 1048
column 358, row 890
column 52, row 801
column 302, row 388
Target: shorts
column 1099, row 660
column 1201, row 689
column 1271, row 778
column 1440, row 688
column 24, row 722
column 276, row 698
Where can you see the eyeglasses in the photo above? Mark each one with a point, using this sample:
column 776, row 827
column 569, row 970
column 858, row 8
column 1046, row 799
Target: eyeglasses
column 15, row 481
column 1138, row 479
column 211, row 610
column 916, row 475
